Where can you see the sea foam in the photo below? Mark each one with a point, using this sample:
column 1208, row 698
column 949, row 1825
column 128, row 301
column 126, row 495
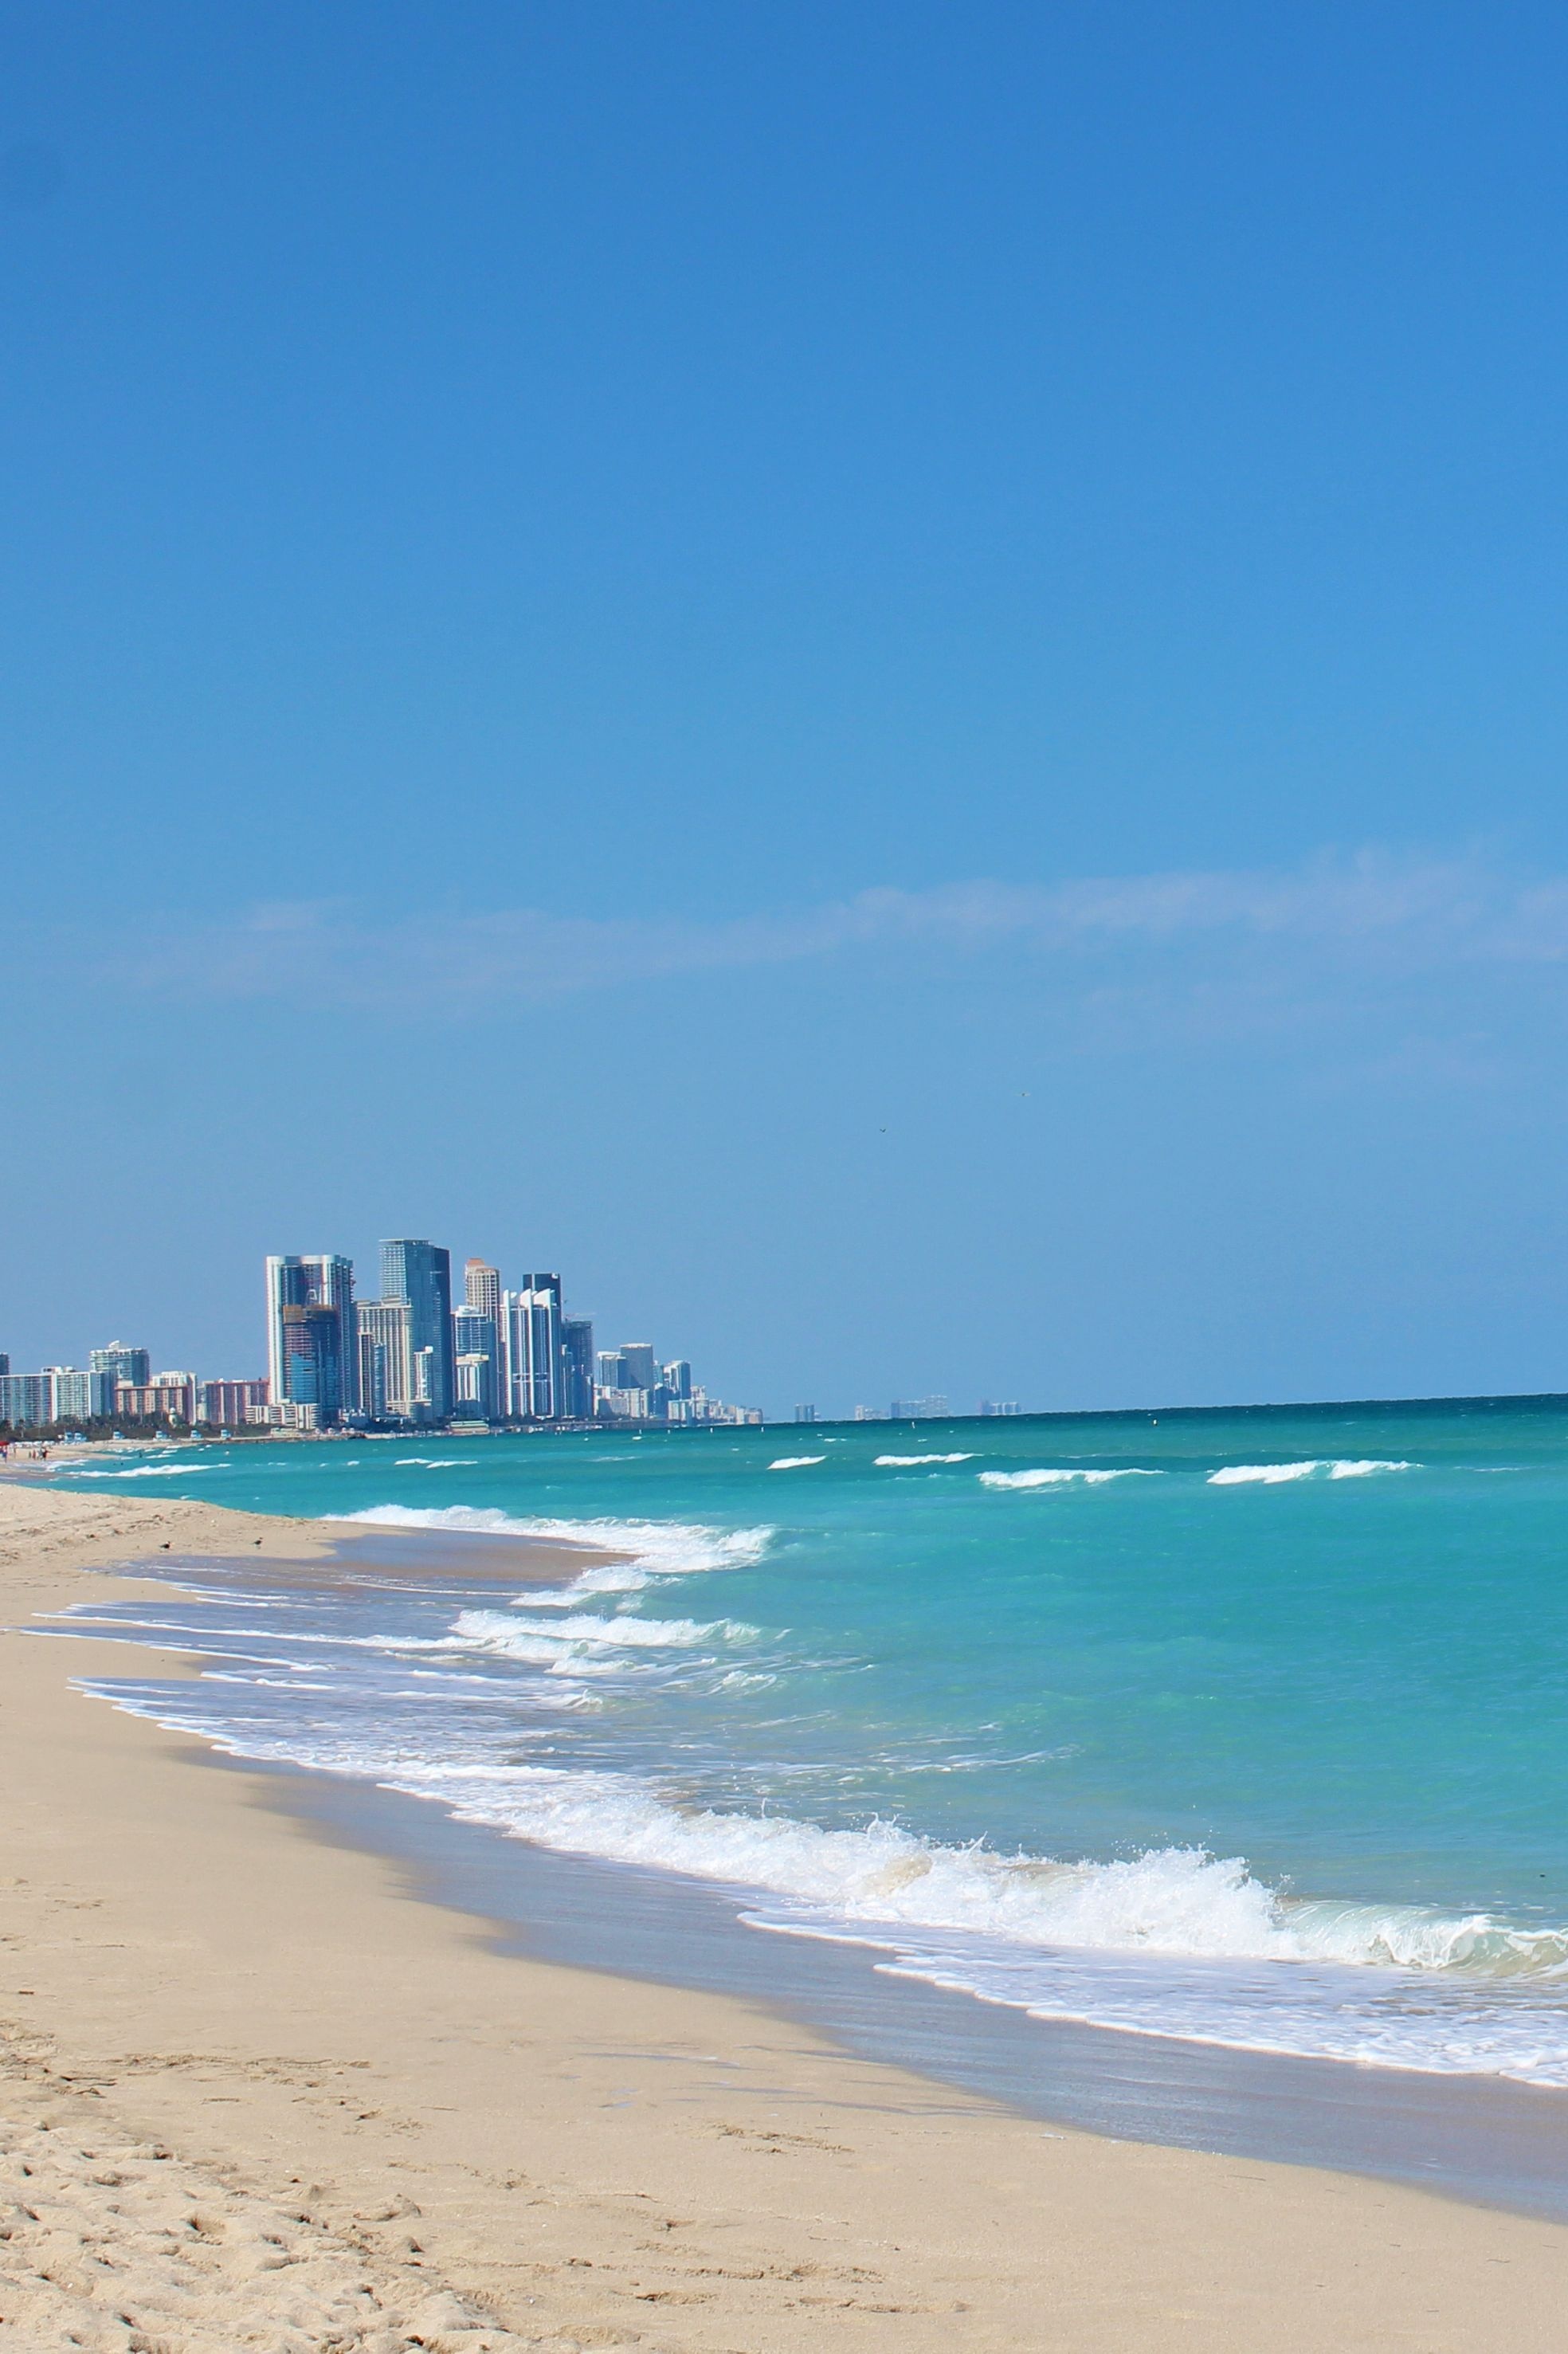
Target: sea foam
column 1179, row 1901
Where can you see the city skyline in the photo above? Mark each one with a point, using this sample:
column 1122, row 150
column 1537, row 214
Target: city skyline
column 414, row 1357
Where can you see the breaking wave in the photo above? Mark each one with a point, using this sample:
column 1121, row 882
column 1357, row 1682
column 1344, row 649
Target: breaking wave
column 1275, row 1475
column 1057, row 1479
column 498, row 1630
column 902, row 1459
column 147, row 1471
column 647, row 1548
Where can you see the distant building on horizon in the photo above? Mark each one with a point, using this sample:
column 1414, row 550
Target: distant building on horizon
column 633, row 1386
column 926, row 1409
column 122, row 1362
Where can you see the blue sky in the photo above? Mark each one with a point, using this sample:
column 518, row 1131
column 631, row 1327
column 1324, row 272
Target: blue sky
column 888, row 679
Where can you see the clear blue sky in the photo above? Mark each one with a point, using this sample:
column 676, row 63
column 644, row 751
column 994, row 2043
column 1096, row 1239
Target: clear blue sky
column 890, row 679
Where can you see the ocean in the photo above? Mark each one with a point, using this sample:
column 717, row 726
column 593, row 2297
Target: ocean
column 1244, row 1729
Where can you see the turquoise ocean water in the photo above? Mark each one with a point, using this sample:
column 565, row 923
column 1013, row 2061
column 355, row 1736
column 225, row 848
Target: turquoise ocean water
column 1250, row 1727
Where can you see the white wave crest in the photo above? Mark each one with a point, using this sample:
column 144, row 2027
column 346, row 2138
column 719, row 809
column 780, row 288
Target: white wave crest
column 794, row 1462
column 498, row 1630
column 902, row 1459
column 1275, row 1475
column 436, row 1462
column 648, row 1548
column 148, row 1471
column 1057, row 1479
column 1176, row 1902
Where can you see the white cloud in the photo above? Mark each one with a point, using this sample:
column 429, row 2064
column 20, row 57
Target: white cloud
column 1372, row 912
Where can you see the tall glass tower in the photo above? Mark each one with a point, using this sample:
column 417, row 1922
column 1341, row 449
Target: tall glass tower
column 421, row 1273
column 313, row 1358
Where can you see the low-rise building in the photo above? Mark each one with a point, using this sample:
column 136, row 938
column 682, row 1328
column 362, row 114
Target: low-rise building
column 229, row 1405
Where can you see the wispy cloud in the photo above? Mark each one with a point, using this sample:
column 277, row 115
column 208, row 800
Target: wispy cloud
column 1372, row 912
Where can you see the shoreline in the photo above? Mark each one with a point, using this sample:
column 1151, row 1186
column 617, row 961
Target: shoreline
column 598, row 2160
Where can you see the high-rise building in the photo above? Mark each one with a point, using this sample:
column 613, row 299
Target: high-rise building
column 531, row 1367
column 476, row 1332
column 576, row 1350
column 640, row 1366
column 481, row 1288
column 421, row 1273
column 122, row 1362
column 475, row 1350
column 75, row 1396
column 313, row 1358
column 386, row 1359
column 27, row 1400
column 315, row 1370
column 59, row 1393
column 678, row 1379
column 926, row 1409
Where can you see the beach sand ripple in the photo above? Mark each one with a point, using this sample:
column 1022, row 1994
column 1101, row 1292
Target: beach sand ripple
column 112, row 2246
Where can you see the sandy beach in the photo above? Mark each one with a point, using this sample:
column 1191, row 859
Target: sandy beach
column 257, row 2094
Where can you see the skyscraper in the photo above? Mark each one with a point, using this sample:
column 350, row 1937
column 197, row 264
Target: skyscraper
column 317, row 1369
column 640, row 1366
column 532, row 1365
column 481, row 1288
column 577, row 1352
column 421, row 1273
column 475, row 1349
column 313, row 1359
column 476, row 1332
column 385, row 1370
